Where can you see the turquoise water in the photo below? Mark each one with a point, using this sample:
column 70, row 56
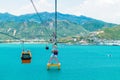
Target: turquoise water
column 78, row 63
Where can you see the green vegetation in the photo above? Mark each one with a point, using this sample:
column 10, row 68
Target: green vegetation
column 111, row 33
column 29, row 27
column 34, row 30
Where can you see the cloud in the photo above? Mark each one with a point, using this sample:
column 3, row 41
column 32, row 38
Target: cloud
column 41, row 5
column 44, row 5
column 107, row 10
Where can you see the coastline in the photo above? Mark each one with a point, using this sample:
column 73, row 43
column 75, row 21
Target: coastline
column 64, row 43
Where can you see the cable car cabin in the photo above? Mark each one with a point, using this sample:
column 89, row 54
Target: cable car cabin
column 26, row 57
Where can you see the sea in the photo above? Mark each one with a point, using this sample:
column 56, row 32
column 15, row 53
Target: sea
column 78, row 62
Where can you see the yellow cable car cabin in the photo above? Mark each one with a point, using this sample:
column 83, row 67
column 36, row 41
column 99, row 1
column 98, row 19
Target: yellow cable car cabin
column 49, row 65
column 26, row 57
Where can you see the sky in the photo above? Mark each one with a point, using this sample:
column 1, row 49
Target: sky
column 106, row 10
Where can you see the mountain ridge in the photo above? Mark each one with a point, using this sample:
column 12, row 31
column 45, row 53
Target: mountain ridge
column 31, row 24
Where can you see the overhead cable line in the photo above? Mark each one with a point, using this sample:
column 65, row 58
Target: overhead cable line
column 39, row 17
column 36, row 10
column 10, row 36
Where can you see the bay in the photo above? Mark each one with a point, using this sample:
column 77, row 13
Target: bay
column 77, row 63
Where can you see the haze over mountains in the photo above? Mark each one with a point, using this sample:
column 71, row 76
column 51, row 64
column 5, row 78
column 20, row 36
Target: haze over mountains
column 30, row 26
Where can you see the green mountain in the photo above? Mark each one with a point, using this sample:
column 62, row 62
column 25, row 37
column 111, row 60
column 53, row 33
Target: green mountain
column 34, row 30
column 88, row 23
column 111, row 33
column 30, row 26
